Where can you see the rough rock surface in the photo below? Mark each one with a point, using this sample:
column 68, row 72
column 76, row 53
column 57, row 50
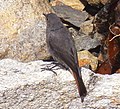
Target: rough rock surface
column 97, row 1
column 86, row 27
column 24, row 86
column 86, row 58
column 22, row 29
column 71, row 15
column 85, row 42
column 75, row 4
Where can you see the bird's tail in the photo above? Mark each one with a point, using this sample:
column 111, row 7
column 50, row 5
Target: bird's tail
column 80, row 84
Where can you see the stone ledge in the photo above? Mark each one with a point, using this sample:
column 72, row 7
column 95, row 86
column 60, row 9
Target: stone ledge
column 24, row 86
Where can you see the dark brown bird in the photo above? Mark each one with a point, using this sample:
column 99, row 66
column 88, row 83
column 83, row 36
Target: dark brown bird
column 62, row 48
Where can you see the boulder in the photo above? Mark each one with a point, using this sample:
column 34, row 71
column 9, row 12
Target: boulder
column 22, row 29
column 26, row 86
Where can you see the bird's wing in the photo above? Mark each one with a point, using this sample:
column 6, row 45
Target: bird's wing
column 67, row 55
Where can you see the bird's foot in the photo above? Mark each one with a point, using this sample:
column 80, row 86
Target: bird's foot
column 51, row 67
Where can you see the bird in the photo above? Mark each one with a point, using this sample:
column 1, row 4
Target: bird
column 62, row 48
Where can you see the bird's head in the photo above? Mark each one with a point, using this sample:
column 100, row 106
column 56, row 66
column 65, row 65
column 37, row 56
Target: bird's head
column 53, row 21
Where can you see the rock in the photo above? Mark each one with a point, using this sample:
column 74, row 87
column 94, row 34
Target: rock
column 22, row 29
column 76, row 4
column 24, row 85
column 85, row 42
column 104, row 1
column 96, row 2
column 86, row 27
column 86, row 58
column 71, row 15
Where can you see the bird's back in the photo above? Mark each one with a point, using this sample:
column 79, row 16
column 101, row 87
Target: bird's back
column 61, row 46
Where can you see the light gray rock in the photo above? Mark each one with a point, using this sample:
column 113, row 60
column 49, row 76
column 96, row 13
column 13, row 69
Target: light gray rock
column 25, row 86
column 22, row 29
column 85, row 42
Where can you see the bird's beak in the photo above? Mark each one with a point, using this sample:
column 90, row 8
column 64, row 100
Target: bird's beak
column 44, row 14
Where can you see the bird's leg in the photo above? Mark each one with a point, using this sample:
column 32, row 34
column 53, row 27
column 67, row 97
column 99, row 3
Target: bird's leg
column 51, row 66
column 54, row 65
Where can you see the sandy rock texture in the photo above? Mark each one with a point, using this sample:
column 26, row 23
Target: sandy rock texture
column 22, row 29
column 97, row 1
column 25, row 86
column 76, row 4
